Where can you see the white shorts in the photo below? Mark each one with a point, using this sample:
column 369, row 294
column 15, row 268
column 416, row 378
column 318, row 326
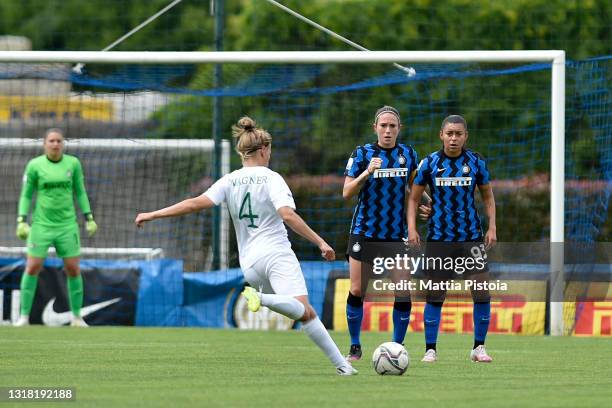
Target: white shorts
column 279, row 273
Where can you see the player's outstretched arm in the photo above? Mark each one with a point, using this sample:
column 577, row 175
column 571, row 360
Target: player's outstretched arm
column 297, row 224
column 413, row 202
column 488, row 199
column 184, row 207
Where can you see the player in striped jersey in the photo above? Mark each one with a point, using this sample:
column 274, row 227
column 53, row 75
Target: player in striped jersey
column 379, row 173
column 454, row 229
column 260, row 204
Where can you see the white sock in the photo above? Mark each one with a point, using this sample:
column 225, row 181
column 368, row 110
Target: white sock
column 318, row 333
column 285, row 305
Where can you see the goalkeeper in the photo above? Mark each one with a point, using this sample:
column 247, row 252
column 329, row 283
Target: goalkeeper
column 56, row 177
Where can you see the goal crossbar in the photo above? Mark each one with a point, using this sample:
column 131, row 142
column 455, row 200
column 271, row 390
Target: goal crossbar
column 285, row 57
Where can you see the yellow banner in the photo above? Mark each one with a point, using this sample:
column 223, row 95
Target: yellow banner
column 510, row 316
column 33, row 108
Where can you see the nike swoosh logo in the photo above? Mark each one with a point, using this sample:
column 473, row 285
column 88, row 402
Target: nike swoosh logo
column 441, row 170
column 430, row 321
column 51, row 318
column 404, row 318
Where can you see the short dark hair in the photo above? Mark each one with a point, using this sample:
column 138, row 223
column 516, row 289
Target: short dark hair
column 54, row 130
column 387, row 109
column 454, row 119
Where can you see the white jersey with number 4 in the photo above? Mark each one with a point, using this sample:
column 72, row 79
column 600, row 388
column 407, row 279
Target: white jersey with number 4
column 253, row 195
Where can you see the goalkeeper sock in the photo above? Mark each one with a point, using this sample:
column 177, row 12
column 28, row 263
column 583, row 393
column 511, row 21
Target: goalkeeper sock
column 432, row 314
column 28, row 291
column 318, row 334
column 401, row 319
column 285, row 305
column 354, row 316
column 482, row 315
column 75, row 294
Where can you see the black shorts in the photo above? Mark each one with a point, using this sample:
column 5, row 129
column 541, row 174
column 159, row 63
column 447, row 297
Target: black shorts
column 455, row 260
column 357, row 243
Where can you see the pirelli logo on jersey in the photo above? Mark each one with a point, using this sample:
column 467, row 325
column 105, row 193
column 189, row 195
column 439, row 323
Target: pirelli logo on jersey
column 385, row 173
column 453, row 181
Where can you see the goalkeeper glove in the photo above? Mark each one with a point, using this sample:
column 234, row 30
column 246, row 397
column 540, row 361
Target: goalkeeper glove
column 23, row 229
column 90, row 225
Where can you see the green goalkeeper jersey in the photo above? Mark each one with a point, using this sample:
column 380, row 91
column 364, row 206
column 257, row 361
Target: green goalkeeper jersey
column 55, row 183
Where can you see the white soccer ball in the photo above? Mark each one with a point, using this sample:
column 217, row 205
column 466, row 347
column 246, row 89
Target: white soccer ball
column 390, row 359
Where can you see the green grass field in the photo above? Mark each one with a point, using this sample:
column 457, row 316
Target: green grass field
column 156, row 367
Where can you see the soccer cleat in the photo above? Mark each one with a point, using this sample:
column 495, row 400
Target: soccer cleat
column 346, row 370
column 23, row 321
column 354, row 353
column 78, row 322
column 479, row 355
column 430, row 356
column 253, row 298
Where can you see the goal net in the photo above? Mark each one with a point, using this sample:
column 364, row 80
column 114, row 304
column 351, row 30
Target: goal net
column 125, row 176
column 136, row 122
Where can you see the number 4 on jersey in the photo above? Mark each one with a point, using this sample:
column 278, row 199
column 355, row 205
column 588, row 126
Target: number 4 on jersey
column 246, row 202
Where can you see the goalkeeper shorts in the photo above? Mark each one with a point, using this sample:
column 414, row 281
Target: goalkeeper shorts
column 65, row 239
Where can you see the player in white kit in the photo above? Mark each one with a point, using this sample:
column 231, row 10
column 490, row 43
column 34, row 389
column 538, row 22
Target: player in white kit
column 260, row 203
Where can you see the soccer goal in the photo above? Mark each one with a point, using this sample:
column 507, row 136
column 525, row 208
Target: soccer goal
column 318, row 107
column 126, row 176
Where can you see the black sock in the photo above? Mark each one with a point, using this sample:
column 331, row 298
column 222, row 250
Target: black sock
column 354, row 300
column 430, row 346
column 478, row 343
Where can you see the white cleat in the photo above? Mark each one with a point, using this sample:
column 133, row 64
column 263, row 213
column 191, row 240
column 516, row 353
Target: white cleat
column 78, row 322
column 346, row 370
column 479, row 355
column 23, row 321
column 430, row 356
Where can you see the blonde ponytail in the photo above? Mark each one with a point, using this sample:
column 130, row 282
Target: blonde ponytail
column 249, row 138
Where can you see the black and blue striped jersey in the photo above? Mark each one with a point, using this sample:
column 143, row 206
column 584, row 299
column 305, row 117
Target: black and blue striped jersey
column 452, row 181
column 381, row 210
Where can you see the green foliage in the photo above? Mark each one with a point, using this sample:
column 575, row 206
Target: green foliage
column 94, row 24
column 582, row 28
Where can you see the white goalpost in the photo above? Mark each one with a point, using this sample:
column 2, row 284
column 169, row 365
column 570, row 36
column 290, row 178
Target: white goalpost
column 555, row 57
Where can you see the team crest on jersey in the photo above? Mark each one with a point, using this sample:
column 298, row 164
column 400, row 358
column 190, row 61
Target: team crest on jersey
column 466, row 169
column 356, row 247
column 401, row 159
